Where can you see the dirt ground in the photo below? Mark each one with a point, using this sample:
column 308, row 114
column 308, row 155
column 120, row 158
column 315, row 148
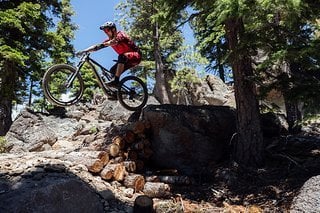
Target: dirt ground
column 290, row 162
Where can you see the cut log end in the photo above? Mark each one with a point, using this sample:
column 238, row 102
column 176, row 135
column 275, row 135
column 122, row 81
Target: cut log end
column 143, row 203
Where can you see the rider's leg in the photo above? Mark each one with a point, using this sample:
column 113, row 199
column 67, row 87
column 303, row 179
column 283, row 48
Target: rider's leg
column 122, row 59
column 113, row 70
column 120, row 69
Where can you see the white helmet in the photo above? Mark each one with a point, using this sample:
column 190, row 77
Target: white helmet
column 108, row 24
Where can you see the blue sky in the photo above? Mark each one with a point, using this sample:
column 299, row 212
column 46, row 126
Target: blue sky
column 89, row 16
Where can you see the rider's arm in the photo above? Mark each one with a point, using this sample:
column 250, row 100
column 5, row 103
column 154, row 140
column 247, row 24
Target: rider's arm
column 110, row 42
column 95, row 47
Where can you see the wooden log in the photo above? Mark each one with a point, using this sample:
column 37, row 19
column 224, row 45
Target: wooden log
column 134, row 181
column 132, row 155
column 93, row 160
column 177, row 180
column 114, row 150
column 107, row 172
column 166, row 172
column 158, row 190
column 139, row 165
column 144, row 204
column 146, row 143
column 114, row 171
column 129, row 137
column 119, row 172
column 93, row 165
column 104, row 157
column 152, row 178
column 119, row 141
column 130, row 166
column 118, row 159
column 147, row 152
column 138, row 127
column 138, row 146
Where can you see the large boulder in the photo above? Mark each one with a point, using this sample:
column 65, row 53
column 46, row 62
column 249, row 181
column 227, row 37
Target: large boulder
column 308, row 199
column 29, row 133
column 190, row 138
column 48, row 182
column 51, row 194
column 36, row 132
column 209, row 91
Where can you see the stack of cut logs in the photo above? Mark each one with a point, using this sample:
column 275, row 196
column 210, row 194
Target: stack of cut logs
column 124, row 158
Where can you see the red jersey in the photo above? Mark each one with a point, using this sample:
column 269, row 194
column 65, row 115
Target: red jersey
column 125, row 44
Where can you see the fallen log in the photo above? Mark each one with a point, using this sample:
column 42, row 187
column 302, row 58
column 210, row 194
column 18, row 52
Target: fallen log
column 138, row 127
column 114, row 150
column 93, row 165
column 139, row 145
column 104, row 157
column 119, row 141
column 134, row 181
column 177, row 180
column 93, row 160
column 156, row 189
column 139, row 165
column 107, row 172
column 119, row 172
column 130, row 166
column 129, row 137
column 144, row 204
column 115, row 171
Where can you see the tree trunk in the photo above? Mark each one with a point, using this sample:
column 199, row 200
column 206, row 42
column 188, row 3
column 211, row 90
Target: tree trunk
column 292, row 110
column 30, row 93
column 293, row 115
column 248, row 148
column 161, row 88
column 220, row 65
column 7, row 79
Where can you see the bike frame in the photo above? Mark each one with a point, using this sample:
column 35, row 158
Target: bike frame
column 86, row 58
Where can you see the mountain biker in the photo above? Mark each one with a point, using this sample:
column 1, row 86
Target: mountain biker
column 129, row 55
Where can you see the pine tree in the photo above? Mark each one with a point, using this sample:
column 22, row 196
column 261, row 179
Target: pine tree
column 159, row 43
column 25, row 42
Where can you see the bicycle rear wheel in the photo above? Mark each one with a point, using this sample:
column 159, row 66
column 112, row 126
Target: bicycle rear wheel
column 55, row 85
column 132, row 93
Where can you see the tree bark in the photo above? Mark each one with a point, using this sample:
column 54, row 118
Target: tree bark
column 161, row 88
column 8, row 77
column 248, row 148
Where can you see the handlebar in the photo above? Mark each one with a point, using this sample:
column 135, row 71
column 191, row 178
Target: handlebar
column 90, row 49
column 82, row 53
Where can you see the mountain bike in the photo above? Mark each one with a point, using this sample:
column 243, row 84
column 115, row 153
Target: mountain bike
column 63, row 84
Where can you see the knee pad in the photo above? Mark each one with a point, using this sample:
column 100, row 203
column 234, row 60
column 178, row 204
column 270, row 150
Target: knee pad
column 122, row 59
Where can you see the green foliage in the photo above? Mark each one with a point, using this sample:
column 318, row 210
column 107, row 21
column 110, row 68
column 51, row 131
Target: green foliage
column 29, row 37
column 90, row 83
column 183, row 80
column 140, row 19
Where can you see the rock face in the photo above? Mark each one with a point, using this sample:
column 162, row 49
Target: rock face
column 47, row 182
column 63, row 194
column 210, row 91
column 308, row 199
column 30, row 133
column 189, row 138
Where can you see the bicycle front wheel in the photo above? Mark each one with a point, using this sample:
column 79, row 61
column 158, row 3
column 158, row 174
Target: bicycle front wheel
column 59, row 89
column 132, row 93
